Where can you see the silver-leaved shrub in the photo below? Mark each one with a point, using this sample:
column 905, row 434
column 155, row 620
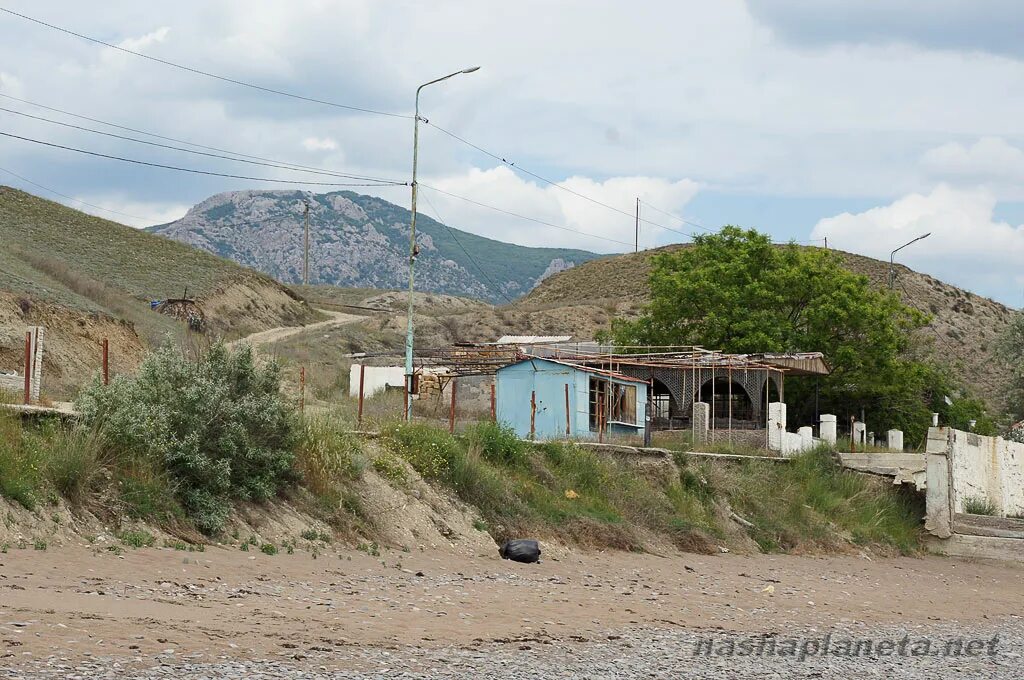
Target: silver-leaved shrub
column 218, row 427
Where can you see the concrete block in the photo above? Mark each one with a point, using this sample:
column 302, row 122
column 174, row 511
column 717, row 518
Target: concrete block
column 792, row 443
column 828, row 428
column 806, row 434
column 894, row 440
column 860, row 432
column 776, row 424
column 701, row 422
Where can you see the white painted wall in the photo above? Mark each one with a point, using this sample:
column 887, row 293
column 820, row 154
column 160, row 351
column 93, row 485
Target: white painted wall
column 377, row 378
column 991, row 468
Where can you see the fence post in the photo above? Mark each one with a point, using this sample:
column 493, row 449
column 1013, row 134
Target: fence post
column 302, row 389
column 494, row 410
column 28, row 367
column 853, row 439
column 451, row 410
column 106, row 361
column 533, row 414
column 568, row 415
column 362, row 382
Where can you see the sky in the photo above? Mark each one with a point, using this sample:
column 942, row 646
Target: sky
column 866, row 124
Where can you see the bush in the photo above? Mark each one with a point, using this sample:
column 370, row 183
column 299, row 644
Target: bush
column 218, row 426
column 496, row 443
column 137, row 538
column 979, row 505
column 328, row 455
column 74, row 462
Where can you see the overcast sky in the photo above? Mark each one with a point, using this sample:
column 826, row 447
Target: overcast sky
column 866, row 123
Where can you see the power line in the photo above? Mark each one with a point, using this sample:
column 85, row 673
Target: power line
column 208, row 74
column 522, row 217
column 192, row 170
column 72, row 198
column 451, row 231
column 158, row 136
column 199, row 153
column 550, row 182
column 677, row 217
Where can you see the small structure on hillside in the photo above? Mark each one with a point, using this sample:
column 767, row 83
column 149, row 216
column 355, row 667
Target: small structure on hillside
column 550, row 399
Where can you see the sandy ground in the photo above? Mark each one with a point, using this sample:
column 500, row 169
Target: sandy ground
column 79, row 602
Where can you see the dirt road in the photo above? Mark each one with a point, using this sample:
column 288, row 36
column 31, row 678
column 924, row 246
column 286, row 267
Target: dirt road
column 274, row 334
column 346, row 609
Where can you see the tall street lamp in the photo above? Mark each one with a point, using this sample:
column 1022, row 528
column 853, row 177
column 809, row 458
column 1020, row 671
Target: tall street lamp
column 892, row 255
column 413, row 250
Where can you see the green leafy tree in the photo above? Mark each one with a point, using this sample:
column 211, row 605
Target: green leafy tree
column 1010, row 349
column 736, row 291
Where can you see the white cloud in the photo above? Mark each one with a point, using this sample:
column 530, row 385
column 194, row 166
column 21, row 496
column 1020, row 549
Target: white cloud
column 990, row 160
column 134, row 213
column 141, row 43
column 967, row 246
column 609, row 230
column 11, row 85
column 319, row 144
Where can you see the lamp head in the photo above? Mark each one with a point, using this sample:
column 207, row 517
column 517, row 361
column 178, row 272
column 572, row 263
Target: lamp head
column 470, row 69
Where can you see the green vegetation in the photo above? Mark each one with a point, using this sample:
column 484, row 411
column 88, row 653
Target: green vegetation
column 736, row 291
column 218, row 427
column 268, row 549
column 137, row 538
column 568, row 492
column 141, row 266
column 979, row 505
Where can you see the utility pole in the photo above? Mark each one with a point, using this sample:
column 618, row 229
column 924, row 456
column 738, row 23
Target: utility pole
column 305, row 262
column 636, row 248
column 413, row 250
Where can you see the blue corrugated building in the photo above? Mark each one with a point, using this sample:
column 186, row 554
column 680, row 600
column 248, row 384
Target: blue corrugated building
column 531, row 398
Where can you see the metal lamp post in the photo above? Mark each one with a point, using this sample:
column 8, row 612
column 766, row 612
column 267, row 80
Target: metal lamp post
column 412, row 239
column 892, row 256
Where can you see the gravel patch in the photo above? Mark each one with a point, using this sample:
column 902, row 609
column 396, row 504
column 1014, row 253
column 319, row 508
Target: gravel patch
column 690, row 653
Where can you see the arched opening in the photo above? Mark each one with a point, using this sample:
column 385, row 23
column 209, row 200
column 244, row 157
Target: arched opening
column 717, row 393
column 664, row 408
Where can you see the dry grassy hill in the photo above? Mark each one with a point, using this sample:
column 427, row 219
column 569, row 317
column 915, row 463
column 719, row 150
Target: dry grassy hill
column 85, row 278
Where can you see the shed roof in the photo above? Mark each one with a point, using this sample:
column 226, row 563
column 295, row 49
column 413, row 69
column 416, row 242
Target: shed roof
column 578, row 367
column 531, row 339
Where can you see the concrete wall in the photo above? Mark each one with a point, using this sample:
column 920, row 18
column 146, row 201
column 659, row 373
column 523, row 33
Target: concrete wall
column 989, row 468
column 377, row 379
column 963, row 465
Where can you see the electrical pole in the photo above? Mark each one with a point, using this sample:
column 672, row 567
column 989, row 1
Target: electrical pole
column 305, row 262
column 892, row 258
column 636, row 248
column 413, row 250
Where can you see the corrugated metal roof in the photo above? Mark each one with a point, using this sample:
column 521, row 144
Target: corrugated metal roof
column 531, row 339
column 581, row 367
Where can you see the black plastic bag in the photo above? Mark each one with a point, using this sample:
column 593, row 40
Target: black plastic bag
column 521, row 550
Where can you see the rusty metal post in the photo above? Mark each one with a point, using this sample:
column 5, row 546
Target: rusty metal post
column 600, row 417
column 451, row 411
column 494, row 410
column 853, row 440
column 302, row 389
column 767, row 387
column 362, row 384
column 406, row 412
column 106, row 361
column 28, row 367
column 533, row 414
column 568, row 414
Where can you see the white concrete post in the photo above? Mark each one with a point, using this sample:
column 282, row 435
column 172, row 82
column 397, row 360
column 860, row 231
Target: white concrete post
column 806, row 437
column 828, row 428
column 701, row 420
column 37, row 362
column 935, row 420
column 895, row 440
column 859, row 432
column 776, row 424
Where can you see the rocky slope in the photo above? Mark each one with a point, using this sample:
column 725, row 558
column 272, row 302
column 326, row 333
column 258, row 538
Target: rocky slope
column 361, row 241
